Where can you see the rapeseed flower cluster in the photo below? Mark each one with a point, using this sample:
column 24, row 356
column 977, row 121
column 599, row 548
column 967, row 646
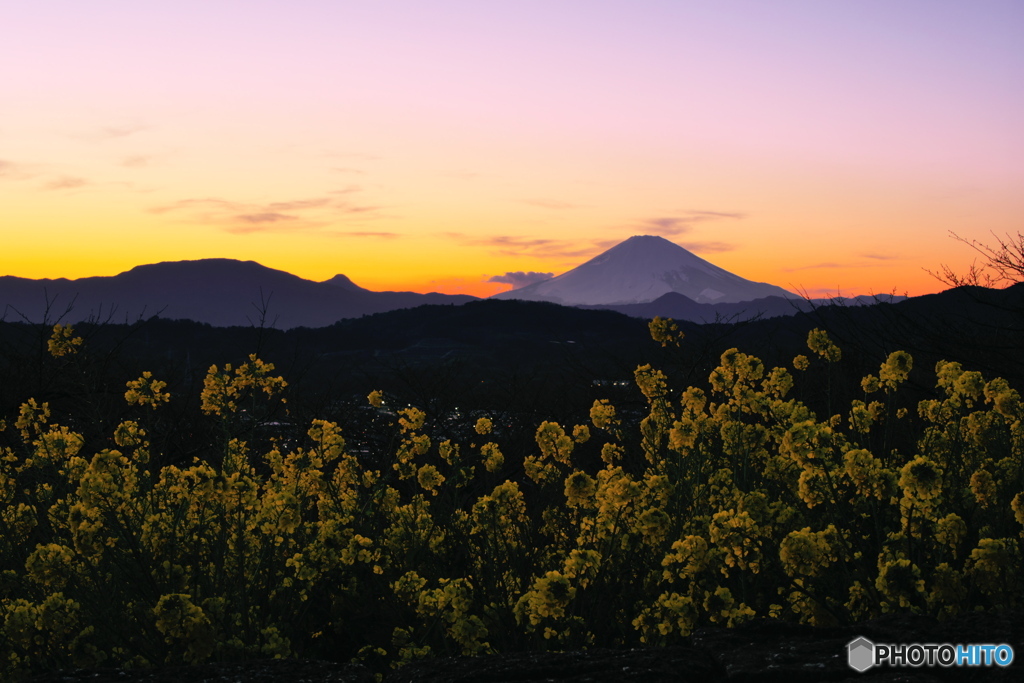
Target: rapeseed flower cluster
column 719, row 505
column 62, row 341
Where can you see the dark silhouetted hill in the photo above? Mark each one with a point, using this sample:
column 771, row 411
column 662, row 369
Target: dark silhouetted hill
column 680, row 307
column 220, row 292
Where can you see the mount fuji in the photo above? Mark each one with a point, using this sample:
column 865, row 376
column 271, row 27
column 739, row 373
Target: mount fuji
column 640, row 270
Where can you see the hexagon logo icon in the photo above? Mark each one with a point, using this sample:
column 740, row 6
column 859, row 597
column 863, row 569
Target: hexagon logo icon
column 860, row 654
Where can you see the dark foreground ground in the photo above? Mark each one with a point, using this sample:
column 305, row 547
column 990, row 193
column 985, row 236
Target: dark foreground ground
column 762, row 650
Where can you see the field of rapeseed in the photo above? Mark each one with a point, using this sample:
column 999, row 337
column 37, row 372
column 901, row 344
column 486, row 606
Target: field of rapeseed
column 719, row 506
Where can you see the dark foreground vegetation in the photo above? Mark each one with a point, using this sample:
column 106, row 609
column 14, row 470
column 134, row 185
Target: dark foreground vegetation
column 502, row 477
column 763, row 650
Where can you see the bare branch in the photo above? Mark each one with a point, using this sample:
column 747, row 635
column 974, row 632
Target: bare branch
column 1003, row 263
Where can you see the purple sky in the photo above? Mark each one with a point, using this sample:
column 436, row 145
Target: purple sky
column 822, row 145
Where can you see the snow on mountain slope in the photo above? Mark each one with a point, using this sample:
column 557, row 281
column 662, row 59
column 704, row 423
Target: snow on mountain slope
column 639, row 270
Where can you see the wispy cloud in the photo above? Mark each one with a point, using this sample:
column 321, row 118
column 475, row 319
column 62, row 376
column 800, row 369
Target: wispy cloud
column 549, row 203
column 299, row 205
column 707, row 247
column 111, row 132
column 241, row 218
column 266, row 217
column 682, row 222
column 516, row 243
column 520, row 279
column 533, row 247
column 378, row 235
column 11, row 170
column 882, row 257
column 713, row 215
column 666, row 225
column 816, row 266
column 530, row 246
column 189, row 204
column 137, row 161
column 65, row 183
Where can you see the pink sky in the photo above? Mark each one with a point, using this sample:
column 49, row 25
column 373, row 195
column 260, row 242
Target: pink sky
column 820, row 146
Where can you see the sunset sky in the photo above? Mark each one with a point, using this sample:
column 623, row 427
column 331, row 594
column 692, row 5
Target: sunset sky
column 823, row 146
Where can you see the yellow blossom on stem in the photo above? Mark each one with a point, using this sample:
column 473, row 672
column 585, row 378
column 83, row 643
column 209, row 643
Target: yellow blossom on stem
column 493, row 458
column 900, row 582
column 429, row 477
column 547, row 599
column 819, row 342
column 483, row 426
column 602, row 414
column 581, row 433
column 62, row 342
column 983, row 486
column 895, row 370
column 951, row 530
column 580, row 488
column 1017, row 505
column 870, row 384
column 31, row 418
column 994, row 564
column 808, row 553
column 146, row 391
column 665, row 331
column 921, row 479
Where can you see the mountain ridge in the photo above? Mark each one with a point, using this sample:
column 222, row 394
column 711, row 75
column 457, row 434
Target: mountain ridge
column 680, row 307
column 640, row 277
column 217, row 291
column 639, row 270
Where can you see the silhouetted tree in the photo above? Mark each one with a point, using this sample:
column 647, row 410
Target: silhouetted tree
column 1003, row 263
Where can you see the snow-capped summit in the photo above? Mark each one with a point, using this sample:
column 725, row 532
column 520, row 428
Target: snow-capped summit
column 640, row 270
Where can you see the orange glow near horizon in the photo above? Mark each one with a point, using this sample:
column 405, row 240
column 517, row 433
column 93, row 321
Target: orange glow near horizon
column 866, row 276
column 431, row 149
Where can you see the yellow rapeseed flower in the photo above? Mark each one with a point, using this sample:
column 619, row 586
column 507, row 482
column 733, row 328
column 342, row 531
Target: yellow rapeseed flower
column 921, row 479
column 665, row 331
column 895, row 370
column 819, row 342
column 983, row 486
column 62, row 342
column 429, row 477
column 602, row 414
column 580, row 488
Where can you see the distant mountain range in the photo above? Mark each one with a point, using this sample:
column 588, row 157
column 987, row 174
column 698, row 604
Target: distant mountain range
column 221, row 292
column 679, row 307
column 640, row 270
column 643, row 277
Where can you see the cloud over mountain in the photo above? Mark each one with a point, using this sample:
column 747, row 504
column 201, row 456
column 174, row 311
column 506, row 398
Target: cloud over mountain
column 521, row 279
